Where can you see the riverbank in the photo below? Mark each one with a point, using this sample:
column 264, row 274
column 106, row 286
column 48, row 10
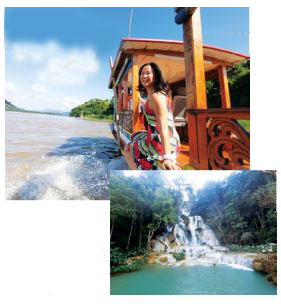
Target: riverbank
column 241, row 259
column 38, row 112
column 94, row 118
column 267, row 265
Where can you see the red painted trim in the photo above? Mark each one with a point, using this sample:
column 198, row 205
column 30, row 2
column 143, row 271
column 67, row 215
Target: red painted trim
column 125, row 39
column 151, row 40
column 227, row 51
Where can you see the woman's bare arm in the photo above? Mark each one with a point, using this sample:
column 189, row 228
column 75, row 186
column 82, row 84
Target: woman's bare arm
column 158, row 103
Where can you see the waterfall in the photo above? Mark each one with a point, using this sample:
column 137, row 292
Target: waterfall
column 192, row 236
column 236, row 260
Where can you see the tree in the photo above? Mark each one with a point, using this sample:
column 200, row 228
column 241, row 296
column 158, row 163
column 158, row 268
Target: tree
column 239, row 87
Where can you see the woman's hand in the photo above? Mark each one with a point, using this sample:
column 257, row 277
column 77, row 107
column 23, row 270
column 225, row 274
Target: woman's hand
column 170, row 165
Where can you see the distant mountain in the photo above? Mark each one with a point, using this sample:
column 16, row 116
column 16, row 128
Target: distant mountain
column 58, row 112
column 10, row 107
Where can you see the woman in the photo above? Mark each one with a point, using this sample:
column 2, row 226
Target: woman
column 159, row 145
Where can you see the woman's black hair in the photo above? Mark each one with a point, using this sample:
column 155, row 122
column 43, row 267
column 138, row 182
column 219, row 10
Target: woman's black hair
column 159, row 84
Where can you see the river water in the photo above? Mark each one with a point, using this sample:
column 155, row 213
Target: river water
column 56, row 157
column 193, row 280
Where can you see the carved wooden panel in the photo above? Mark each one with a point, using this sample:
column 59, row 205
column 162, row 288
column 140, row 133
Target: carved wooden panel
column 228, row 144
column 125, row 120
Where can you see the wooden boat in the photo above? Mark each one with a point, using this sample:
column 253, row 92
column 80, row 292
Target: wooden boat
column 211, row 138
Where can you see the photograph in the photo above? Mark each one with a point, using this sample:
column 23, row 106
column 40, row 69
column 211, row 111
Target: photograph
column 129, row 173
column 90, row 89
column 193, row 233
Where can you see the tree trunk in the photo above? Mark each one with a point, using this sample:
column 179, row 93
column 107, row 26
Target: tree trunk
column 256, row 225
column 149, row 237
column 218, row 224
column 150, row 234
column 112, row 226
column 260, row 220
column 240, row 219
column 140, row 235
column 130, row 234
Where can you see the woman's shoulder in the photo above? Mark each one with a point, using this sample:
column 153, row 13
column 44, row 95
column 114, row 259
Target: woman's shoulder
column 158, row 96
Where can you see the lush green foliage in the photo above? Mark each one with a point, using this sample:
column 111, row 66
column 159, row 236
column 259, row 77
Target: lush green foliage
column 102, row 109
column 179, row 256
column 119, row 259
column 239, row 87
column 253, row 248
column 241, row 209
column 141, row 207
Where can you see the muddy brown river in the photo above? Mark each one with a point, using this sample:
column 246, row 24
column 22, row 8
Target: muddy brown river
column 56, row 157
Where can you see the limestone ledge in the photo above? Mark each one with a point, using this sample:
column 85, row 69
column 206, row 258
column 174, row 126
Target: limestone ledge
column 267, row 265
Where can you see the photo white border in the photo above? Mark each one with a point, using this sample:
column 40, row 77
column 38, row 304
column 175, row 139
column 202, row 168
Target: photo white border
column 41, row 240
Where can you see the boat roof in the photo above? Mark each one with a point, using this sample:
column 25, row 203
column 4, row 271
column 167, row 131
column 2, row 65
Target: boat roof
column 169, row 52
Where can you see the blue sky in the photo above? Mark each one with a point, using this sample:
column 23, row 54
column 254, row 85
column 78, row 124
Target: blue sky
column 57, row 58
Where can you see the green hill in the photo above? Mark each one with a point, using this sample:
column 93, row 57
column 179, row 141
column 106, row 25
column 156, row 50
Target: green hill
column 10, row 107
column 94, row 109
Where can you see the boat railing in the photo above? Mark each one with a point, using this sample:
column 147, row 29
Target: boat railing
column 125, row 120
column 218, row 140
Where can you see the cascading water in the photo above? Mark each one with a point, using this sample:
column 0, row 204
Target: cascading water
column 199, row 243
column 237, row 261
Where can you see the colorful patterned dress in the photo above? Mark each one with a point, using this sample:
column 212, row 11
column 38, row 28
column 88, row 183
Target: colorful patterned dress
column 145, row 147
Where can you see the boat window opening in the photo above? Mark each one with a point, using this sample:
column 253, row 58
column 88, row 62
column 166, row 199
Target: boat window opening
column 213, row 94
column 124, row 70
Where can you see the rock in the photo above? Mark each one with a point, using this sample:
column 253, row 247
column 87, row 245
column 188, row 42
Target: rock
column 132, row 259
column 274, row 279
column 257, row 266
column 157, row 246
column 171, row 238
column 163, row 259
column 267, row 264
column 269, row 277
column 185, row 219
column 152, row 259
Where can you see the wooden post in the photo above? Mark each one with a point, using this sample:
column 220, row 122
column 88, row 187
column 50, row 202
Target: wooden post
column 192, row 139
column 135, row 96
column 116, row 116
column 120, row 98
column 194, row 63
column 195, row 83
column 224, row 89
column 125, row 95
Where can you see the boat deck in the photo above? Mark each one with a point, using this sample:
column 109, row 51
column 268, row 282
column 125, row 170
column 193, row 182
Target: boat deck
column 183, row 158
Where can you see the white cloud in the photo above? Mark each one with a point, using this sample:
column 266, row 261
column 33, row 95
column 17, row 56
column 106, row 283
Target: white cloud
column 10, row 86
column 73, row 68
column 71, row 102
column 56, row 63
column 50, row 74
column 39, row 88
column 26, row 52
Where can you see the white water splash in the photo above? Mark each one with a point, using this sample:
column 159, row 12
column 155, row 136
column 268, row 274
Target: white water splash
column 79, row 177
